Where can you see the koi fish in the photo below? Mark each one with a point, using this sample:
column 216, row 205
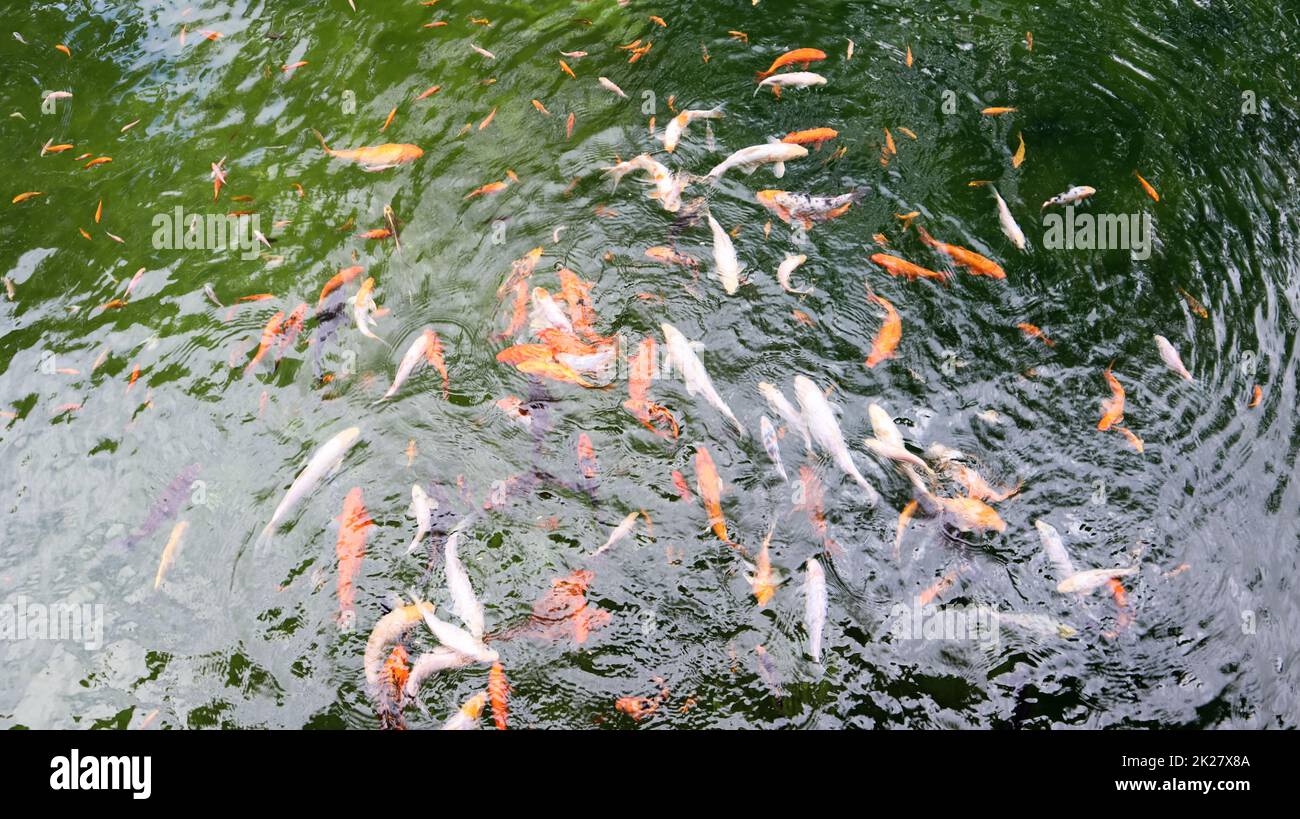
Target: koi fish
column 748, row 159
column 904, row 518
column 339, row 279
column 23, row 197
column 467, row 718
column 762, row 578
column 269, row 334
column 799, row 56
column 677, row 125
column 969, row 259
column 167, row 506
column 416, row 354
column 783, row 408
column 610, row 86
column 1075, row 194
column 815, row 606
column 1008, row 222
column 363, row 306
column 768, row 434
column 811, row 136
column 498, row 693
column 537, row 359
column 324, row 462
column 618, row 533
column 422, row 509
column 354, row 526
column 375, row 158
column 464, row 604
column 1032, row 331
column 695, row 377
column 885, row 343
column 1171, row 358
column 458, row 639
column 901, row 267
column 667, row 255
column 709, row 485
column 390, row 629
column 997, row 111
column 824, row 429
column 1146, row 186
column 1018, row 158
column 637, row 707
column 787, row 267
column 798, row 79
column 977, row 487
column 1113, row 407
column 806, row 208
column 483, row 52
column 724, row 257
column 1092, row 579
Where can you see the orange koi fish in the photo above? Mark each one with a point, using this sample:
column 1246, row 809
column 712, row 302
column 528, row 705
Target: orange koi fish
column 354, row 526
column 428, row 92
column 812, row 136
column 1257, row 395
column 339, row 279
column 577, row 294
column 433, row 354
column 709, row 485
column 1146, row 186
column 799, row 56
column 904, row 518
column 901, row 267
column 97, row 161
column 269, row 333
column 564, row 610
column 491, row 187
column 587, row 464
column 23, row 197
column 996, row 111
column 637, row 707
column 498, row 694
column 891, row 331
column 538, row 105
column 1132, row 439
column 537, row 359
column 1112, row 408
column 683, row 489
column 375, row 158
column 969, row 259
column 1032, row 331
column 565, row 67
column 520, row 270
column 976, row 487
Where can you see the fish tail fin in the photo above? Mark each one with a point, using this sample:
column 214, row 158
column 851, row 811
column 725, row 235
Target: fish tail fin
column 323, row 146
column 925, row 234
column 762, row 75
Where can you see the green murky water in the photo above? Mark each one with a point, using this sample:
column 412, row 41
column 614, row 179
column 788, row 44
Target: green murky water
column 1196, row 97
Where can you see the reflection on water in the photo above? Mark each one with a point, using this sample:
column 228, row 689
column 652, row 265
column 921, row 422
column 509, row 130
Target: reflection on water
column 125, row 414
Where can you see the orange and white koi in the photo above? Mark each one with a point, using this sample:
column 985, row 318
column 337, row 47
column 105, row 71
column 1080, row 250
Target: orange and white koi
column 375, row 158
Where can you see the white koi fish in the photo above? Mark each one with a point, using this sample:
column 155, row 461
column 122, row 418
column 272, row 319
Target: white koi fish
column 463, row 602
column 782, row 407
column 1171, row 357
column 693, row 373
column 430, row 663
column 724, row 257
column 547, row 313
column 610, row 86
column 814, row 606
column 819, row 416
column 1076, row 194
column 748, row 159
column 896, row 453
column 621, row 531
column 1084, row 582
column 324, row 462
column 677, row 125
column 458, row 639
column 422, row 508
column 416, row 355
column 786, row 268
column 390, row 628
column 794, row 79
column 1055, row 549
column 1008, row 222
column 768, row 433
column 467, row 718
